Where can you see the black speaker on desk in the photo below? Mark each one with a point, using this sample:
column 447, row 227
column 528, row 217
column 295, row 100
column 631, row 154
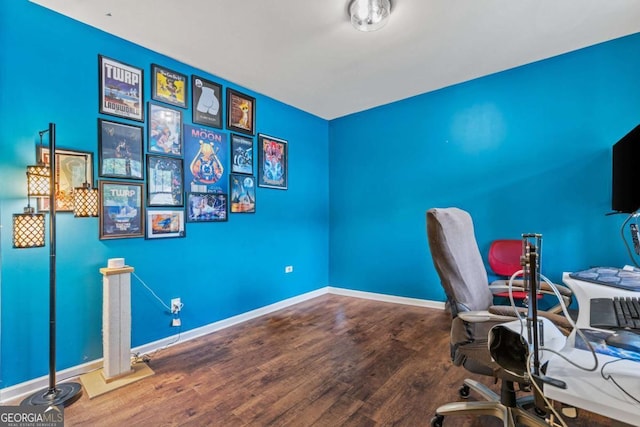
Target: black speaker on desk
column 625, row 194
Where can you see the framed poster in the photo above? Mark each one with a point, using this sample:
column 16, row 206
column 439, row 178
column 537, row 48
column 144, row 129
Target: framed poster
column 168, row 86
column 207, row 99
column 121, row 210
column 164, row 181
column 162, row 224
column 273, row 169
column 241, row 154
column 241, row 112
column 120, row 150
column 165, row 130
column 73, row 169
column 206, row 160
column 121, row 89
column 206, row 207
column 243, row 193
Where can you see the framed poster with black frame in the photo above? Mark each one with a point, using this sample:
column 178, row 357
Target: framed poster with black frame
column 206, row 154
column 207, row 102
column 120, row 150
column 162, row 224
column 207, row 207
column 273, row 158
column 243, row 193
column 241, row 112
column 165, row 130
column 121, row 89
column 74, row 168
column 241, row 154
column 121, row 210
column 165, row 181
column 168, row 86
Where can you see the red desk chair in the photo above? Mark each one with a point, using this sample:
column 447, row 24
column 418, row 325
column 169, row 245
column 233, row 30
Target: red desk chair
column 504, row 260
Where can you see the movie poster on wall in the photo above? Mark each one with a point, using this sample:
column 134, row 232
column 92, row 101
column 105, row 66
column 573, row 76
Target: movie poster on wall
column 206, row 157
column 121, row 89
column 207, row 100
column 273, row 162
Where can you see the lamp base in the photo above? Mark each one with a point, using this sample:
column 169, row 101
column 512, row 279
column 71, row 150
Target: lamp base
column 64, row 394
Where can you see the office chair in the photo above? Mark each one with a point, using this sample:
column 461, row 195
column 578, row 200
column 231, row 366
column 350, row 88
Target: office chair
column 459, row 265
column 504, row 261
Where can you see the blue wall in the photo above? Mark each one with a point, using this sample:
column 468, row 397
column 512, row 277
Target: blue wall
column 525, row 150
column 49, row 73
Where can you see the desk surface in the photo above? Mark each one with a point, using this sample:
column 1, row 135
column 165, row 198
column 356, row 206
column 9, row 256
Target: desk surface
column 589, row 390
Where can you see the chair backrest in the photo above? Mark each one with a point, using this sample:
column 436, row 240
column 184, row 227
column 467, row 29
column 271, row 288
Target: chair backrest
column 504, row 256
column 457, row 259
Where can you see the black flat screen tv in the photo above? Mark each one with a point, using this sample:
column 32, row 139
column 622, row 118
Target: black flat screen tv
column 625, row 192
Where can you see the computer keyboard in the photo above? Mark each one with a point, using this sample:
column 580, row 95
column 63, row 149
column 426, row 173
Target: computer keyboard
column 615, row 313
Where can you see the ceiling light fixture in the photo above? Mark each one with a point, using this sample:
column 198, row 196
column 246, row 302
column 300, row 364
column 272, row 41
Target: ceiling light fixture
column 369, row 15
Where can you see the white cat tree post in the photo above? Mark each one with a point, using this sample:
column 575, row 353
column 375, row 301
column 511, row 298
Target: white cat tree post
column 116, row 321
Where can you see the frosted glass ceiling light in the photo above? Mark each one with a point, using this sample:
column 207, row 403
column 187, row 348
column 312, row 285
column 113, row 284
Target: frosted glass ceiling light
column 369, row 15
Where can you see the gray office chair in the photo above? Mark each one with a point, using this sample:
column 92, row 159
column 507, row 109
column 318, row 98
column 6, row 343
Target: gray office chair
column 459, row 265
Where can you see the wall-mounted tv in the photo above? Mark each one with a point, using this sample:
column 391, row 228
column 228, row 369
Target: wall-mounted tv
column 625, row 192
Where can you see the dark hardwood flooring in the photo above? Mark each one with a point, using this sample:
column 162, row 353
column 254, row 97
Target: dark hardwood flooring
column 330, row 361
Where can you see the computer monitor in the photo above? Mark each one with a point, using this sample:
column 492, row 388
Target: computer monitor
column 625, row 193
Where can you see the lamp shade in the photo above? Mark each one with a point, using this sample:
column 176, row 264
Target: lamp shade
column 369, row 15
column 28, row 229
column 38, row 180
column 85, row 201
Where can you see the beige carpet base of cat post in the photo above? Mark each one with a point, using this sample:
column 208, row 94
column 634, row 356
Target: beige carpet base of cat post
column 95, row 384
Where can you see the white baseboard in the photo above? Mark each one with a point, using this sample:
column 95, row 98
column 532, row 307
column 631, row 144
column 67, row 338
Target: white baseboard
column 386, row 298
column 26, row 388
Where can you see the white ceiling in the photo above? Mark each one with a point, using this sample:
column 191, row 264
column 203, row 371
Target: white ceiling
column 305, row 52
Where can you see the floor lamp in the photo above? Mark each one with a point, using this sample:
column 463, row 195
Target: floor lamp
column 68, row 392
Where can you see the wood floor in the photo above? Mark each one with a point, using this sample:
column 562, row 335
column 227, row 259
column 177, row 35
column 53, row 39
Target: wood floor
column 330, row 361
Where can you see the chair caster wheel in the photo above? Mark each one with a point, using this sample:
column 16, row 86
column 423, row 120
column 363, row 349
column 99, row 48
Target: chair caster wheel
column 437, row 421
column 464, row 391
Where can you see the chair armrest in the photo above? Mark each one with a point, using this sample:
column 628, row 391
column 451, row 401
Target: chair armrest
column 480, row 316
column 561, row 322
column 499, row 286
column 562, row 290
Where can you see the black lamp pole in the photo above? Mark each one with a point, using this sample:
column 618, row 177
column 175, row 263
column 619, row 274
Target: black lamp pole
column 66, row 393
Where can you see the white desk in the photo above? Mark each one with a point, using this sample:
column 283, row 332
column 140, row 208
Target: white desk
column 588, row 390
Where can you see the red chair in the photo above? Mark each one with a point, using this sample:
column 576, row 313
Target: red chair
column 504, row 260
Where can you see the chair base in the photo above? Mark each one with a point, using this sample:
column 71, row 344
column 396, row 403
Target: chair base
column 511, row 416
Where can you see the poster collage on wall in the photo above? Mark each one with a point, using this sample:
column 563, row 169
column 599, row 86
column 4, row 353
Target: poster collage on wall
column 189, row 171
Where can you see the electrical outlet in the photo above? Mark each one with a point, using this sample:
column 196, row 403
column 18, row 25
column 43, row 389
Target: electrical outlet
column 288, row 269
column 176, row 305
column 176, row 322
